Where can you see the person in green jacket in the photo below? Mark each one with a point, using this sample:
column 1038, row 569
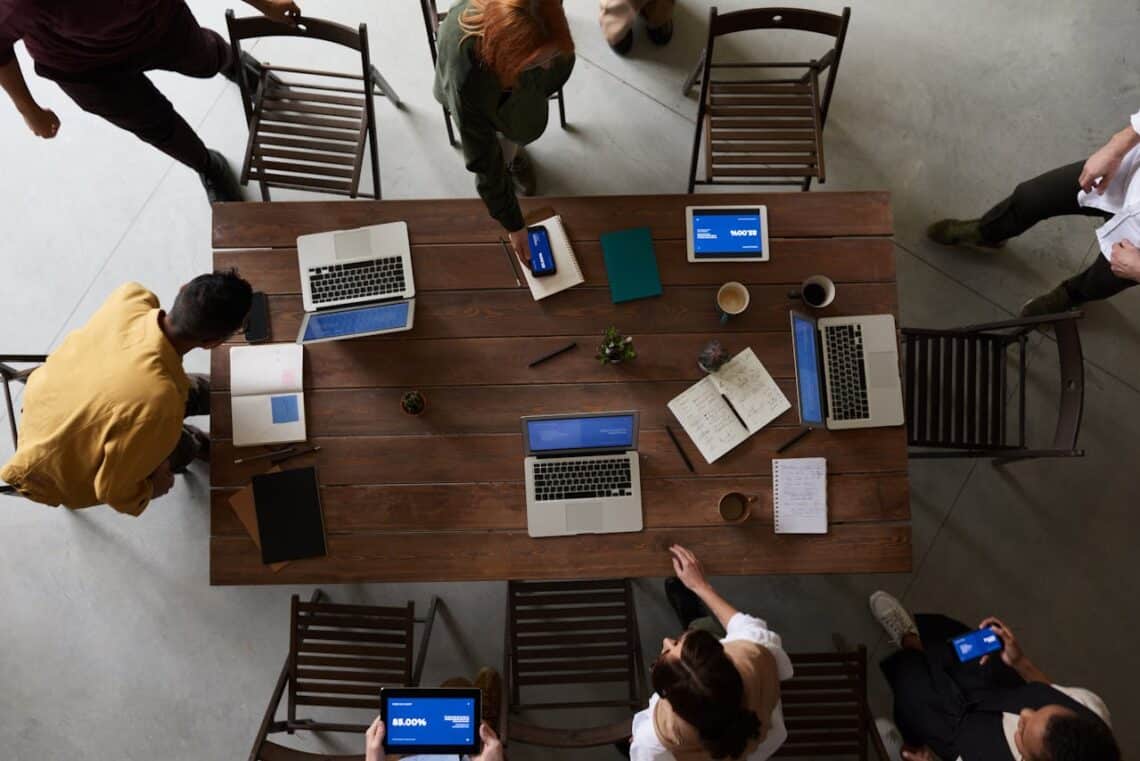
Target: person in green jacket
column 499, row 62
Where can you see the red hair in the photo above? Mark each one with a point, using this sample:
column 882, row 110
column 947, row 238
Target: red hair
column 510, row 32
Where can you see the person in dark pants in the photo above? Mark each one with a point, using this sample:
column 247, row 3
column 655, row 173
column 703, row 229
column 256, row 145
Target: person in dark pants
column 999, row 708
column 99, row 52
column 1103, row 187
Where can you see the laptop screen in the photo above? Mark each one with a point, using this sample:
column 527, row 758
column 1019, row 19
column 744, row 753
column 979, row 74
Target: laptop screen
column 809, row 389
column 589, row 432
column 726, row 232
column 358, row 321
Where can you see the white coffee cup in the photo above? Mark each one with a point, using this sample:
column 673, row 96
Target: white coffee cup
column 731, row 299
column 816, row 292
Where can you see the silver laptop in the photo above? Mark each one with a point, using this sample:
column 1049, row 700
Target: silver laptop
column 847, row 371
column 582, row 474
column 356, row 282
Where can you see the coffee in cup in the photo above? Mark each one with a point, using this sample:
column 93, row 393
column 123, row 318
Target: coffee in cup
column 735, row 507
column 817, row 291
column 731, row 299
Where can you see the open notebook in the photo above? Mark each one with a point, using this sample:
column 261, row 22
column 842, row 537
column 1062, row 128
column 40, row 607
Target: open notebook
column 567, row 275
column 709, row 420
column 267, row 399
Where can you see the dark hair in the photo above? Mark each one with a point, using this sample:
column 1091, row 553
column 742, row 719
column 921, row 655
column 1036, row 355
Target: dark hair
column 706, row 690
column 1073, row 737
column 211, row 306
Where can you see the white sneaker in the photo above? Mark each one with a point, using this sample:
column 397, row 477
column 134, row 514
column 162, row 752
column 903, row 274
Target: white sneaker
column 892, row 616
column 892, row 738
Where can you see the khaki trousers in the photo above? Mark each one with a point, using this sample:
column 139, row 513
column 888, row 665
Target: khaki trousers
column 617, row 16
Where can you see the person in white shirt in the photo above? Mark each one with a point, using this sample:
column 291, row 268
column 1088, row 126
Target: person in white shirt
column 374, row 746
column 716, row 685
column 993, row 709
column 1107, row 185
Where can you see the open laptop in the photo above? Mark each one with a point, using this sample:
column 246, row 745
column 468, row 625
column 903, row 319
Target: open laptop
column 847, row 371
column 356, row 282
column 582, row 473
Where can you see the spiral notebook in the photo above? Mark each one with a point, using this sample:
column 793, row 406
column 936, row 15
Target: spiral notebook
column 567, row 275
column 799, row 495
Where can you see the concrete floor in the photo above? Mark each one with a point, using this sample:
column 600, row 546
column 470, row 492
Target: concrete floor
column 112, row 644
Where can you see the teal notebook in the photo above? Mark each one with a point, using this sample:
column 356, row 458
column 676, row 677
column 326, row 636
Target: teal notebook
column 631, row 264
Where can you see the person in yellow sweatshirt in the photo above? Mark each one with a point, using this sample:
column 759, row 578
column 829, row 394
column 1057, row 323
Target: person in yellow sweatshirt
column 102, row 419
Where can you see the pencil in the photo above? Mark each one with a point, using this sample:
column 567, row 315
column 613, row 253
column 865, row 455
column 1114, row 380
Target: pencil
column 734, row 412
column 264, row 455
column 290, row 455
column 680, row 451
column 511, row 261
column 787, row 444
column 553, row 354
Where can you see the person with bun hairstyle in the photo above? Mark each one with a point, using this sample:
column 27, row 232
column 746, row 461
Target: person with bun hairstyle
column 499, row 63
column 717, row 685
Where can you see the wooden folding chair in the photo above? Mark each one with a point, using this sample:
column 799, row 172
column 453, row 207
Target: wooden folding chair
column 9, row 375
column 305, row 135
column 825, row 707
column 433, row 17
column 567, row 634
column 957, row 391
column 339, row 657
column 766, row 131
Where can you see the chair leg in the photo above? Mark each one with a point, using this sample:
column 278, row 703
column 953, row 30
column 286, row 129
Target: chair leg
column 694, row 76
column 264, row 191
column 561, row 108
column 450, row 129
column 421, row 656
column 267, row 723
column 386, row 88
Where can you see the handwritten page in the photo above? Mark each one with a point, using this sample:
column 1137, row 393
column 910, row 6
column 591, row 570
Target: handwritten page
column 799, row 495
column 703, row 413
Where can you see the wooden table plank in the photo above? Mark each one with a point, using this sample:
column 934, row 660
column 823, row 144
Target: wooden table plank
column 790, row 215
column 671, row 503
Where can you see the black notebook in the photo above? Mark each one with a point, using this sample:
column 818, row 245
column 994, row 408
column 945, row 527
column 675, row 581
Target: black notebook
column 289, row 516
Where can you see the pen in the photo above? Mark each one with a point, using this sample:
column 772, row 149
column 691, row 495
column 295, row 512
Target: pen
column 511, row 261
column 291, row 454
column 553, row 354
column 680, row 451
column 787, row 444
column 263, row 455
column 734, row 412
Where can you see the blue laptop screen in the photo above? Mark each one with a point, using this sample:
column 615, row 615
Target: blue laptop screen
column 810, row 390
column 726, row 232
column 608, row 431
column 354, row 322
column 418, row 721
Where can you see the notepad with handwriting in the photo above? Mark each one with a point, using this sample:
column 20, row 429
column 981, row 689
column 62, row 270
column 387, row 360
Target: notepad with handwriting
column 267, row 397
column 799, row 495
column 567, row 272
column 705, row 415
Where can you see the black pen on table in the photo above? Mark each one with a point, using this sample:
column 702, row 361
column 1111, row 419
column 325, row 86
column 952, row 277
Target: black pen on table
column 511, row 261
column 734, row 412
column 788, row 444
column 553, row 354
column 680, row 451
column 295, row 453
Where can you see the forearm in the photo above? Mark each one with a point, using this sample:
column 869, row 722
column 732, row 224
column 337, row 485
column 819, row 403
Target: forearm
column 12, row 80
column 717, row 605
column 1028, row 671
column 1123, row 141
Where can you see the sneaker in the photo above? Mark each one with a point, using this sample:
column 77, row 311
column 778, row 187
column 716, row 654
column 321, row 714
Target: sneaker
column 959, row 232
column 683, row 601
column 892, row 616
column 1055, row 301
column 521, row 170
column 892, row 738
column 660, row 35
column 219, row 181
column 624, row 45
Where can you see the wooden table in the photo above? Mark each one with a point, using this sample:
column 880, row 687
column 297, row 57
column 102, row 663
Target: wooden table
column 440, row 496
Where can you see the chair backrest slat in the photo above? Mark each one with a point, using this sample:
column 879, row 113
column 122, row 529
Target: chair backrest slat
column 796, row 19
column 252, row 27
column 825, row 705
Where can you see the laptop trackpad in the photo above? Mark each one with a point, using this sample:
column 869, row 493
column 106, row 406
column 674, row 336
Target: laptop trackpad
column 584, row 517
column 353, row 244
column 882, row 369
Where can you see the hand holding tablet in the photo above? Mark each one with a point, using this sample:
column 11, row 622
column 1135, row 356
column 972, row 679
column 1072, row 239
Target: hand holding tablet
column 421, row 720
column 374, row 743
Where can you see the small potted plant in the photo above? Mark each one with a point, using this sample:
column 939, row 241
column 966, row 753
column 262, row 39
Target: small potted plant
column 712, row 357
column 413, row 403
column 615, row 348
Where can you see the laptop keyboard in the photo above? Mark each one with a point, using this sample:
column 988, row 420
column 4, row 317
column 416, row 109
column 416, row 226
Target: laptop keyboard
column 374, row 278
column 846, row 372
column 582, row 479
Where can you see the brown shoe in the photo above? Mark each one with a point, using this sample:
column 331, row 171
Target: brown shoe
column 489, row 681
column 521, row 170
column 1053, row 302
column 959, row 232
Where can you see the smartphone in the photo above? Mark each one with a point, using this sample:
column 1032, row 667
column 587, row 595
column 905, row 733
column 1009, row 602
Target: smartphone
column 257, row 323
column 970, row 647
column 541, row 254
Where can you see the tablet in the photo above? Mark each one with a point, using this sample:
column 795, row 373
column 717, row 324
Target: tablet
column 727, row 233
column 440, row 720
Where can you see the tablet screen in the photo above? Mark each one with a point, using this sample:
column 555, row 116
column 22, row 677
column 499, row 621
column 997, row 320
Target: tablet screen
column 725, row 233
column 432, row 721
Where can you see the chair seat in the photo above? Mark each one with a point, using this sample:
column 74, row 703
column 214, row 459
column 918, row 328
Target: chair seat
column 307, row 138
column 274, row 752
column 763, row 130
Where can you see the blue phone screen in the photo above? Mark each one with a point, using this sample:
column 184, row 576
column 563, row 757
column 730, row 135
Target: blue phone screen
column 429, row 721
column 541, row 255
column 974, row 645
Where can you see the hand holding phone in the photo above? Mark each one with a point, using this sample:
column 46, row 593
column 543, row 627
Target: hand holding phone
column 1011, row 648
column 977, row 644
column 519, row 244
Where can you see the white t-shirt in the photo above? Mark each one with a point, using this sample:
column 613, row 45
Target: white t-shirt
column 646, row 746
column 1121, row 199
